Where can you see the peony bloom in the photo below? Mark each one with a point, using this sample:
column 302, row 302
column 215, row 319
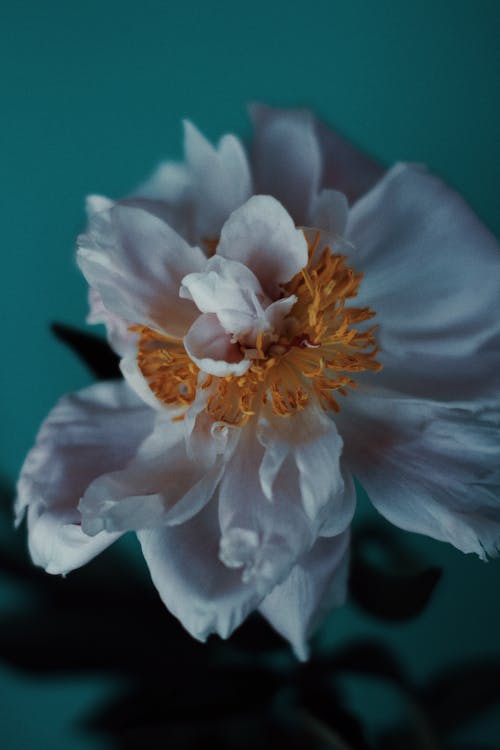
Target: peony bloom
column 286, row 319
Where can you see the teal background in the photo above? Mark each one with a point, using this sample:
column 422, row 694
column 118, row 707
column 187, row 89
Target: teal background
column 92, row 97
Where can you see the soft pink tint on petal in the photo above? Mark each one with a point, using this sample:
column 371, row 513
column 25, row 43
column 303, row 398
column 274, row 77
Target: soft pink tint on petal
column 136, row 262
column 210, row 347
column 316, row 585
column 428, row 467
column 431, row 270
column 262, row 236
column 286, row 158
column 205, row 595
column 96, row 430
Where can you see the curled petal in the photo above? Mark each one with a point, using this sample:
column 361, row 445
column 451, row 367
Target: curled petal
column 210, row 347
column 223, row 285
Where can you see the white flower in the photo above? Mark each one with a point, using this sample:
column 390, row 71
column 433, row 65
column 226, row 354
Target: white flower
column 227, row 287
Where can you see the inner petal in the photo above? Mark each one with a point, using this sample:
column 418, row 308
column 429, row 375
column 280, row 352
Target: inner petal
column 212, row 349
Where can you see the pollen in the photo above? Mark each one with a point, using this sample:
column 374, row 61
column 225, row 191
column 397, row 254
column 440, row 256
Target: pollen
column 323, row 343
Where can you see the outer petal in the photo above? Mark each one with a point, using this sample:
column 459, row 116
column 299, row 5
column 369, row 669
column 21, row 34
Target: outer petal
column 205, row 595
column 161, row 486
column 287, row 158
column 86, row 434
column 428, row 467
column 220, row 179
column 262, row 236
column 169, row 194
column 329, row 211
column 136, row 262
column 120, row 338
column 345, row 167
column 196, row 198
column 316, row 584
column 432, row 271
column 342, row 166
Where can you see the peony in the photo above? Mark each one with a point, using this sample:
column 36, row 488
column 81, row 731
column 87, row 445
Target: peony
column 286, row 319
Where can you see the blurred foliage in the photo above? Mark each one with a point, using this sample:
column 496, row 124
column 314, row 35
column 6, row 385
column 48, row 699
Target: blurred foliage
column 106, row 619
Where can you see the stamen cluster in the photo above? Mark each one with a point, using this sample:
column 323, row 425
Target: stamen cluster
column 313, row 357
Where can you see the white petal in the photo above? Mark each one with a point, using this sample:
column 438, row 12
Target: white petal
column 136, row 262
column 195, row 586
column 262, row 236
column 329, row 211
column 310, row 441
column 160, row 486
column 287, row 158
column 342, row 166
column 207, row 439
column 316, row 584
column 431, row 270
column 345, row 167
column 87, row 433
column 277, row 312
column 135, row 379
column 57, row 543
column 263, row 538
column 95, row 203
column 428, row 467
column 220, row 178
column 210, row 347
column 223, row 285
column 120, row 338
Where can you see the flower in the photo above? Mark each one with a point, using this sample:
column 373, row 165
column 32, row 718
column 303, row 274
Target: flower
column 285, row 321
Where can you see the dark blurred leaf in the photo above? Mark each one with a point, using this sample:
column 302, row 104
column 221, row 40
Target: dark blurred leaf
column 462, row 694
column 93, row 351
column 363, row 658
column 394, row 590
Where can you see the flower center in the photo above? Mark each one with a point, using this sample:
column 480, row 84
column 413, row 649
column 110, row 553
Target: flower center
column 313, row 358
